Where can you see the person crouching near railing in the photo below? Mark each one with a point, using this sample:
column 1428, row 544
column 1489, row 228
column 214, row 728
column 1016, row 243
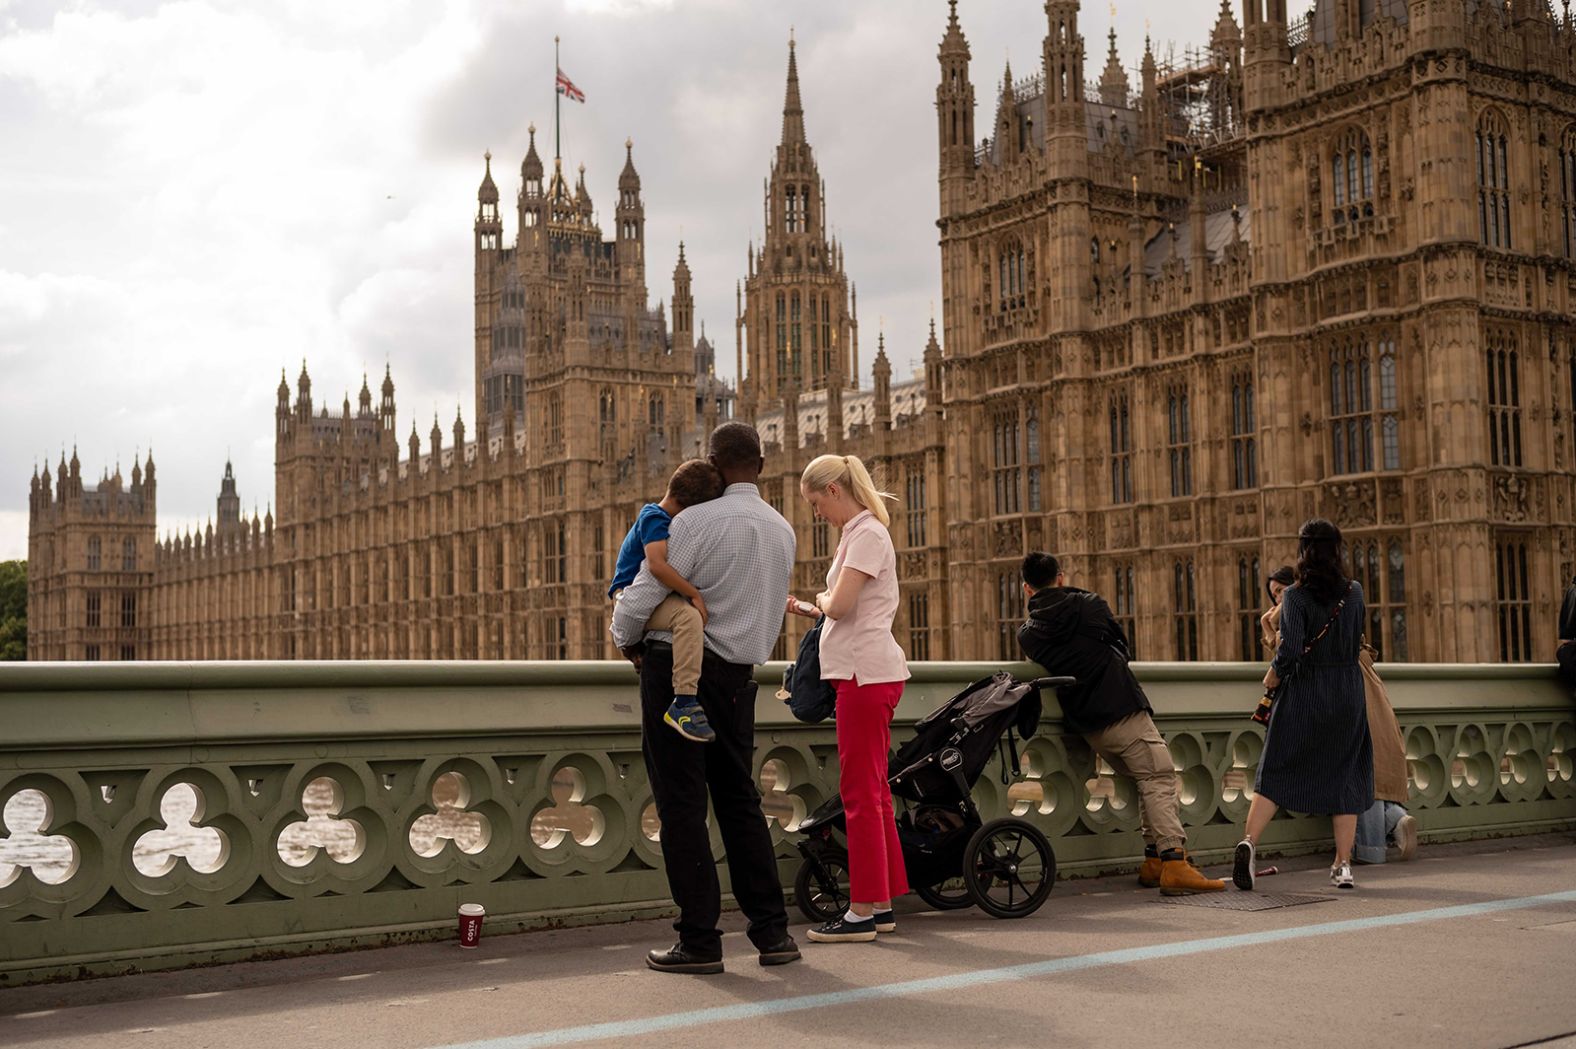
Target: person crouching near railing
column 1072, row 632
column 863, row 660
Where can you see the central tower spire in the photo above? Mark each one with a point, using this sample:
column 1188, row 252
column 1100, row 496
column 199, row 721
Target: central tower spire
column 798, row 309
column 793, row 109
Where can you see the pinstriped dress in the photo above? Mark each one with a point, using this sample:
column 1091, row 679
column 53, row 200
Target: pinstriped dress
column 1318, row 756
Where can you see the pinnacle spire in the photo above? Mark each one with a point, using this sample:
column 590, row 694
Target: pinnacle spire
column 793, row 109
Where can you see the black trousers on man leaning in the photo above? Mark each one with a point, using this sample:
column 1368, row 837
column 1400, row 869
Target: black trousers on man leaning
column 681, row 773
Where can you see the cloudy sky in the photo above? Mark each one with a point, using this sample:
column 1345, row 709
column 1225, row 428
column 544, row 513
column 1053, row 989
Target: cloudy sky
column 196, row 194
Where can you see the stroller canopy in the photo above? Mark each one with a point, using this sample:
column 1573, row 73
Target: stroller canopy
column 972, row 721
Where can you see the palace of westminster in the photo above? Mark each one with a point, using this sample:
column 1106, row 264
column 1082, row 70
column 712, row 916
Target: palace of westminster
column 1320, row 265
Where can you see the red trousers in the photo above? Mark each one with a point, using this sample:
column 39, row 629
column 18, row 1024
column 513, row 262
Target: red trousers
column 864, row 735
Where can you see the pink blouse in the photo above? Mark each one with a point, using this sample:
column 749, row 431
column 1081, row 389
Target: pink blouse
column 860, row 645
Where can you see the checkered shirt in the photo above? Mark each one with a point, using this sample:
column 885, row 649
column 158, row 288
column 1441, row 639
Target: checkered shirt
column 738, row 552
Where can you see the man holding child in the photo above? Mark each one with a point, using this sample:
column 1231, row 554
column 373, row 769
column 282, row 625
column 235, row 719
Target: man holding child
column 737, row 554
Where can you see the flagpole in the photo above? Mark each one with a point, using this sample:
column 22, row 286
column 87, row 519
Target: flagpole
column 558, row 101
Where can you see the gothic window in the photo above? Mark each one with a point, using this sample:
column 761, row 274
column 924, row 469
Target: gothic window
column 94, row 553
column 793, row 209
column 94, row 611
column 1379, row 566
column 1504, row 399
column 826, row 332
column 1493, row 179
column 1352, row 177
column 1389, row 405
column 1032, row 454
column 915, row 493
column 555, row 419
column 127, row 653
column 782, row 338
column 1094, row 250
column 1121, row 451
column 656, row 413
column 1514, row 604
column 1568, row 191
column 128, row 555
column 1009, row 601
column 804, row 193
column 1005, row 463
column 91, row 653
column 1123, row 606
column 128, row 608
column 795, row 341
column 1354, row 418
column 1013, row 285
column 1248, row 607
column 1571, row 413
column 1184, row 594
column 1179, row 442
column 820, row 540
column 1244, row 433
column 918, row 626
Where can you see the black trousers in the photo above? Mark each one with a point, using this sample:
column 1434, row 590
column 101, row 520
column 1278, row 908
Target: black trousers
column 681, row 773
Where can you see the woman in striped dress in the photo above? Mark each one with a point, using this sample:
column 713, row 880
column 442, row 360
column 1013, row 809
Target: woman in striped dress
column 1318, row 756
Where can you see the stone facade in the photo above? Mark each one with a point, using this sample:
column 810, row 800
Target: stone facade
column 1317, row 266
column 1313, row 268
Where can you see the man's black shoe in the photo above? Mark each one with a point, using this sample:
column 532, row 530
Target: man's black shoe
column 780, row 953
column 680, row 959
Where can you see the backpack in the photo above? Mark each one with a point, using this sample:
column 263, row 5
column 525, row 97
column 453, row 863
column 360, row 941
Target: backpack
column 809, row 699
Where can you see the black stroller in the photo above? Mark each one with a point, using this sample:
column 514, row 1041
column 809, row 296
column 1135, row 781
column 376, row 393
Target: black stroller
column 953, row 858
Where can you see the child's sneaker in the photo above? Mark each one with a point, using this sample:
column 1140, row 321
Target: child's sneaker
column 688, row 720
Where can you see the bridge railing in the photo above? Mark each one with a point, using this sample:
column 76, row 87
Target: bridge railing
column 159, row 815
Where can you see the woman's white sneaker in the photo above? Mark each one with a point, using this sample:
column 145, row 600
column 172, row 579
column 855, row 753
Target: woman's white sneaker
column 1341, row 876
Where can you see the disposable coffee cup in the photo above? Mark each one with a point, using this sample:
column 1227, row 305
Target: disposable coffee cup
column 471, row 924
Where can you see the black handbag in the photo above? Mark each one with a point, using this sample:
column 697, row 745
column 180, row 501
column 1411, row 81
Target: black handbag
column 809, row 699
column 1261, row 713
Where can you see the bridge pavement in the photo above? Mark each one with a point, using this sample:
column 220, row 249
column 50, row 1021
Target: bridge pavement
column 1471, row 946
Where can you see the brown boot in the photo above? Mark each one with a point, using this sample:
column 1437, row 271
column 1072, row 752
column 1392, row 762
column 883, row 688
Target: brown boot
column 1178, row 876
column 1149, row 873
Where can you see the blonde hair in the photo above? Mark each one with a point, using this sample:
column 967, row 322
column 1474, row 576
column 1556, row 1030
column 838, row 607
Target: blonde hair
column 848, row 471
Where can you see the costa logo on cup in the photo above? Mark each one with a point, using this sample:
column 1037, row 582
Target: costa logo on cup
column 471, row 924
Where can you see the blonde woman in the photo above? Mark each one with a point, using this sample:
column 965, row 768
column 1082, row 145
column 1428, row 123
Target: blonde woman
column 867, row 667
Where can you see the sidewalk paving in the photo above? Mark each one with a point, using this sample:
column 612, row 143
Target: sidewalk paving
column 1458, row 949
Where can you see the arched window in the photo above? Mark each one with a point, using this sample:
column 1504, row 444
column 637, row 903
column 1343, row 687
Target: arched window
column 1244, row 433
column 782, row 339
column 1352, row 177
column 1032, row 443
column 1493, row 178
column 1010, row 264
column 1568, row 191
column 1121, row 451
column 1179, row 441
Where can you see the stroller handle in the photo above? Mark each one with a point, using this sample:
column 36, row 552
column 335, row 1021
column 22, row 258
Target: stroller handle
column 1053, row 682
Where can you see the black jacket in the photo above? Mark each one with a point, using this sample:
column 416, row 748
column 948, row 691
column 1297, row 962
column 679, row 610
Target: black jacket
column 1072, row 632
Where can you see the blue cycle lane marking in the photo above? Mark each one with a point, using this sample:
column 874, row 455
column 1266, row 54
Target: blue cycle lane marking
column 648, row 1025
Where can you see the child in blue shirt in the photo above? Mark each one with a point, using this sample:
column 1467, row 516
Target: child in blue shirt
column 683, row 612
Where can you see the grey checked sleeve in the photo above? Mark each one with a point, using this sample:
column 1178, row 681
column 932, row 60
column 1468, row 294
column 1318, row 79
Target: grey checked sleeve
column 634, row 607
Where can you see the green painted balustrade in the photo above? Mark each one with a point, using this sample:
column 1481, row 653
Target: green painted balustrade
column 160, row 815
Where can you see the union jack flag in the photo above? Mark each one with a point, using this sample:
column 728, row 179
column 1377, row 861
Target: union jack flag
column 566, row 87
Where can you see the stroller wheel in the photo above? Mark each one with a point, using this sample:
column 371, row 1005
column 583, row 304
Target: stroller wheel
column 821, row 888
column 1009, row 868
column 950, row 895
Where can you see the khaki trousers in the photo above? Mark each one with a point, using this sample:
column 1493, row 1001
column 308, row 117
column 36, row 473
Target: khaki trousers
column 680, row 618
column 1133, row 748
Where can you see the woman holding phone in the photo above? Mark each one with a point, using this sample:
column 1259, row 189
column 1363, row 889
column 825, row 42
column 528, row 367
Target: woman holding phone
column 867, row 667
